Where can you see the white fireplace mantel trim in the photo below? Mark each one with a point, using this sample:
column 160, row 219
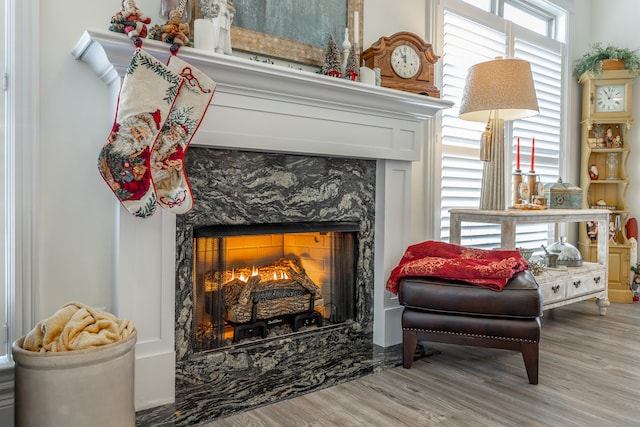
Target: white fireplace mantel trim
column 390, row 123
column 239, row 75
column 263, row 107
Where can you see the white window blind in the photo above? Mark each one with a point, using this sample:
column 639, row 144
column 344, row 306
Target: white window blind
column 546, row 67
column 470, row 38
column 465, row 43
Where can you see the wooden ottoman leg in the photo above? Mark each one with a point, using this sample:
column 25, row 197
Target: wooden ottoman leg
column 409, row 343
column 530, row 356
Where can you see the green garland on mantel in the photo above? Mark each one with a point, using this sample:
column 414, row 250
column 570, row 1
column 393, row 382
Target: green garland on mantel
column 592, row 59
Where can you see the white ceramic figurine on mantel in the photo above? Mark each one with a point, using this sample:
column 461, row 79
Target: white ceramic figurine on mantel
column 220, row 13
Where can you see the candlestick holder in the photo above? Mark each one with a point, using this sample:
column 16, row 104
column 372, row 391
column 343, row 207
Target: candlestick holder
column 531, row 182
column 517, row 183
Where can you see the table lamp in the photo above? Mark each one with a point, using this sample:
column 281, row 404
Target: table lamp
column 496, row 91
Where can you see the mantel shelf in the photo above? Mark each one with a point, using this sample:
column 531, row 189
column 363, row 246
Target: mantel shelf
column 235, row 73
column 273, row 108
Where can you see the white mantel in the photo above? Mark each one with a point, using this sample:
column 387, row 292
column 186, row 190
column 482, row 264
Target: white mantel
column 263, row 107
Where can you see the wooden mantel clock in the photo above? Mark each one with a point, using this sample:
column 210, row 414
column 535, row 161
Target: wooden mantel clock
column 406, row 63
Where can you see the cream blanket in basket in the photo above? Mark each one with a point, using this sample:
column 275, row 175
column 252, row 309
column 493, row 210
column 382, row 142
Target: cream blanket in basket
column 77, row 327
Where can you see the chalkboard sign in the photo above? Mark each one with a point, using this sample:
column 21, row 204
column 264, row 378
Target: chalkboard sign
column 296, row 30
column 301, row 20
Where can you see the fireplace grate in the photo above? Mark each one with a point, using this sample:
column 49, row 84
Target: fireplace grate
column 251, row 282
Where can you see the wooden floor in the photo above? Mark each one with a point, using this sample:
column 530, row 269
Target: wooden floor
column 589, row 376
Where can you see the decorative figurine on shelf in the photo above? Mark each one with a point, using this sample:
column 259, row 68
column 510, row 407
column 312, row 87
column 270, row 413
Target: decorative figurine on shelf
column 617, row 140
column 332, row 61
column 174, row 31
column 220, row 13
column 631, row 228
column 593, row 172
column 223, row 23
column 608, row 139
column 617, row 143
column 346, row 48
column 635, row 282
column 351, row 70
column 130, row 20
column 592, row 230
column 167, row 6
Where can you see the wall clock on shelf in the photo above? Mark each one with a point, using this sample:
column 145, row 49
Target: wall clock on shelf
column 606, row 96
column 610, row 98
column 406, row 63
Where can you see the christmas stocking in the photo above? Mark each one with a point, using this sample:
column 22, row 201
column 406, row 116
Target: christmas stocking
column 167, row 154
column 147, row 94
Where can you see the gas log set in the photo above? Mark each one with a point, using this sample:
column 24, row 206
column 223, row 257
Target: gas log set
column 258, row 298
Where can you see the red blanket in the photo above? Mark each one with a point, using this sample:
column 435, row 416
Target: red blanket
column 491, row 269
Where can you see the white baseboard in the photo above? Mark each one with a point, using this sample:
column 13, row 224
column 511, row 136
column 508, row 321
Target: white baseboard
column 155, row 380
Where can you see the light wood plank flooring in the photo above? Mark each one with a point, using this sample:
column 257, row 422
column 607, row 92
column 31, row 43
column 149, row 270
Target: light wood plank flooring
column 589, row 376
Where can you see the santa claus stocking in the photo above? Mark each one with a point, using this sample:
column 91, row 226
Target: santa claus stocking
column 147, row 94
column 167, row 154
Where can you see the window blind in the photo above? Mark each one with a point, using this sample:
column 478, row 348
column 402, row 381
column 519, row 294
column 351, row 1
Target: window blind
column 546, row 67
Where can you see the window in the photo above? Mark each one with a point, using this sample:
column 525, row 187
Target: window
column 534, row 23
column 471, row 36
column 19, row 191
column 540, row 16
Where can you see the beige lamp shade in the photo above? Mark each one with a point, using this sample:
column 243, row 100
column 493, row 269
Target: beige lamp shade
column 502, row 87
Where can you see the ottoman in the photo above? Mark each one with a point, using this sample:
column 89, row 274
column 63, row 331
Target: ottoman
column 455, row 312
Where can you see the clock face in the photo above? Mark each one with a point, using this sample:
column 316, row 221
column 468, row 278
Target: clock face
column 610, row 98
column 405, row 61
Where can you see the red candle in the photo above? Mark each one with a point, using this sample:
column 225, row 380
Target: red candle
column 533, row 143
column 518, row 155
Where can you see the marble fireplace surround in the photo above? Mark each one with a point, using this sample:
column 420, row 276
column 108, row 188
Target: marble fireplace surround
column 269, row 109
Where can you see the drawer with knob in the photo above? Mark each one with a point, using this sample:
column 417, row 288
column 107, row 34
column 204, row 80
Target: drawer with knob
column 572, row 284
column 553, row 290
column 585, row 284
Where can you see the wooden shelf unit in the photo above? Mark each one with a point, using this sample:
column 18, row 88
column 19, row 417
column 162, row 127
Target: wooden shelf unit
column 610, row 186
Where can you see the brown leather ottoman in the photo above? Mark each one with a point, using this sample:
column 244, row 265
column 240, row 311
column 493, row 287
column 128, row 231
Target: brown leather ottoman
column 458, row 313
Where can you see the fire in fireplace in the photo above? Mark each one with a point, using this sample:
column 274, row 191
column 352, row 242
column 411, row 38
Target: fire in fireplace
column 258, row 281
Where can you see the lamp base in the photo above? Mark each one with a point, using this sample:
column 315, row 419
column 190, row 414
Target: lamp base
column 493, row 187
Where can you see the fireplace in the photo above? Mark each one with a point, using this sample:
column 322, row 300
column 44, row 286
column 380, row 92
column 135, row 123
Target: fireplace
column 265, row 214
column 266, row 280
column 260, row 111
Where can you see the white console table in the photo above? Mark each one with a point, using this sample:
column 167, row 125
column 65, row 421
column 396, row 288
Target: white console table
column 559, row 287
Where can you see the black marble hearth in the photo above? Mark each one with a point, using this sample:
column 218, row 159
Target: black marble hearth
column 234, row 187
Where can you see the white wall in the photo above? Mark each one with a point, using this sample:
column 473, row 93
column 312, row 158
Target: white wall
column 579, row 42
column 76, row 215
column 384, row 18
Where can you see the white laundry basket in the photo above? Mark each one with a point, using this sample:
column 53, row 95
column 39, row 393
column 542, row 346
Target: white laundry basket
column 84, row 388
